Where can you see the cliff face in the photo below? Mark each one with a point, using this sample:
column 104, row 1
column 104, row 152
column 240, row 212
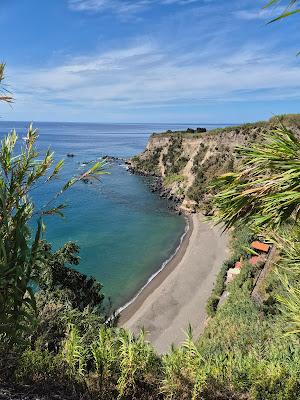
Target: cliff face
column 187, row 162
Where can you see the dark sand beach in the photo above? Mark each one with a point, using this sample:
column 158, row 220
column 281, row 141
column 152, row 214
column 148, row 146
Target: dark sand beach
column 177, row 295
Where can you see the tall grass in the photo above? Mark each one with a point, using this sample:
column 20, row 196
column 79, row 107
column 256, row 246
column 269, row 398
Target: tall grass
column 75, row 353
column 121, row 361
column 104, row 354
column 243, row 354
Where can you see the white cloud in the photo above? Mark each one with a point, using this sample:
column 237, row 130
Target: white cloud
column 181, row 2
column 143, row 76
column 121, row 6
column 264, row 14
column 117, row 6
column 186, row 61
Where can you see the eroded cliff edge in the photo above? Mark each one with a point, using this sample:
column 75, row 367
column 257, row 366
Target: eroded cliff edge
column 184, row 162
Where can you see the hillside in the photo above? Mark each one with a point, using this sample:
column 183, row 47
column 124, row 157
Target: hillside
column 188, row 161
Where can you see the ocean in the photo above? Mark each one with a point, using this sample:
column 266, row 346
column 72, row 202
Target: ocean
column 124, row 231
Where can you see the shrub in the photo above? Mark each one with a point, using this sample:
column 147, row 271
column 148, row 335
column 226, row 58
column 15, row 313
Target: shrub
column 150, row 163
column 218, row 289
column 22, row 249
column 36, row 366
column 173, row 160
column 242, row 237
column 170, row 179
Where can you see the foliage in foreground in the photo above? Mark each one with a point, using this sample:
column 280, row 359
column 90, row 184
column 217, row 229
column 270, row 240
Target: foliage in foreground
column 289, row 10
column 265, row 194
column 243, row 354
column 22, row 251
column 4, row 93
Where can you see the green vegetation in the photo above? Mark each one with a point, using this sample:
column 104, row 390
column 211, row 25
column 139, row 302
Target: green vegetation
column 241, row 239
column 264, row 194
column 173, row 160
column 264, row 191
column 24, row 259
column 218, row 290
column 4, row 94
column 289, row 10
column 246, row 350
column 59, row 281
column 170, row 179
column 57, row 341
column 150, row 164
column 242, row 354
column 243, row 129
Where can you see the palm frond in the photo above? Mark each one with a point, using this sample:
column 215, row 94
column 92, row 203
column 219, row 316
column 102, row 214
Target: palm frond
column 4, row 93
column 265, row 191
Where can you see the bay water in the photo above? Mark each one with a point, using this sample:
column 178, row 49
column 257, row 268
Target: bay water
column 124, row 231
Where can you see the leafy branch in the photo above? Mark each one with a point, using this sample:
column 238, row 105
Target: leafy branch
column 289, row 11
column 4, row 93
column 21, row 250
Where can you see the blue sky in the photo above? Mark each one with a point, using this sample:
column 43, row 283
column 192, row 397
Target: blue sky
column 148, row 60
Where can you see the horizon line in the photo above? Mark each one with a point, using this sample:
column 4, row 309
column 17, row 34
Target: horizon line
column 123, row 123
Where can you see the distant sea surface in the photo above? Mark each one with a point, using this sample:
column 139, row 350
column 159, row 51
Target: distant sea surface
column 124, row 231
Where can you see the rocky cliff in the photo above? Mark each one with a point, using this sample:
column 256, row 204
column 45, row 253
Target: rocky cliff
column 185, row 162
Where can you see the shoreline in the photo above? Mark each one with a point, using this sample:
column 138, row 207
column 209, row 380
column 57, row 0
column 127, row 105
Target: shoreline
column 177, row 297
column 132, row 306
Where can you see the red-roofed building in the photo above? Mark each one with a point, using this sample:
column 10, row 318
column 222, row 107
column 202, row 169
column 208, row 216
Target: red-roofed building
column 260, row 246
column 238, row 265
column 253, row 260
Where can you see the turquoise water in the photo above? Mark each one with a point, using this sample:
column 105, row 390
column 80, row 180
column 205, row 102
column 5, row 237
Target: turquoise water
column 125, row 232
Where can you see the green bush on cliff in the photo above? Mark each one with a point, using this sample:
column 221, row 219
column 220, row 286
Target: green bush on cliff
column 170, row 179
column 173, row 160
column 150, row 163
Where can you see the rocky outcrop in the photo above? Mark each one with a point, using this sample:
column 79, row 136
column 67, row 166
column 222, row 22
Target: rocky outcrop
column 184, row 163
column 156, row 185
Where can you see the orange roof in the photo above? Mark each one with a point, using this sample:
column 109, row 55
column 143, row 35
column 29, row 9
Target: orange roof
column 238, row 265
column 253, row 260
column 260, row 246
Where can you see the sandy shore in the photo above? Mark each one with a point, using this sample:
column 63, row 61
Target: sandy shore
column 178, row 294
